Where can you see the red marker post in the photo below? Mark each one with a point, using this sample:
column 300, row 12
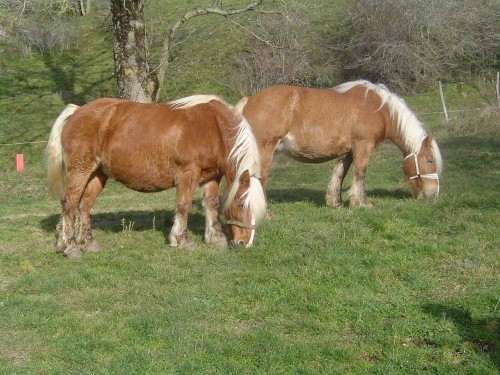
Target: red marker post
column 19, row 162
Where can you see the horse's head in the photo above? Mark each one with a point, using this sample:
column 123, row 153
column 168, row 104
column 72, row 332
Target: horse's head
column 245, row 210
column 422, row 169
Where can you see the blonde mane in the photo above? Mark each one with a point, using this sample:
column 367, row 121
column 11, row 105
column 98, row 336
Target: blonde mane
column 245, row 156
column 193, row 100
column 409, row 127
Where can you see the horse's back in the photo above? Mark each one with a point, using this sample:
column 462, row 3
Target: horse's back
column 314, row 124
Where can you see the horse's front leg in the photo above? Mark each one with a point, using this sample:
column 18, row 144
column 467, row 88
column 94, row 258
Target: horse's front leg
column 361, row 154
column 213, row 228
column 186, row 185
column 266, row 158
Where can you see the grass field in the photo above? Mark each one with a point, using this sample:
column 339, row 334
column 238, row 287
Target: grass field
column 406, row 287
column 409, row 286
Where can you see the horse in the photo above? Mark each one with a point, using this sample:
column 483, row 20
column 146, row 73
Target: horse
column 346, row 122
column 190, row 142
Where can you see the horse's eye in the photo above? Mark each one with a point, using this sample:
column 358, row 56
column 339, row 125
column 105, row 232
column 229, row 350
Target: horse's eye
column 430, row 160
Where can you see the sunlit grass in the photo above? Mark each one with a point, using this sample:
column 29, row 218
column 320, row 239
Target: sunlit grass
column 406, row 287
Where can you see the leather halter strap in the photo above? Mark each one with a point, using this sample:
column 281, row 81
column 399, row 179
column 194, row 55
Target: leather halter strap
column 241, row 224
column 431, row 176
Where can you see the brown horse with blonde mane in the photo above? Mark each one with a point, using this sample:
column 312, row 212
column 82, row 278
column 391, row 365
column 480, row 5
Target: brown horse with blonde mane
column 187, row 143
column 347, row 122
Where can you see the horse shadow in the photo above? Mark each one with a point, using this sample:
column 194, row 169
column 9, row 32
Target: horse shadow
column 482, row 334
column 385, row 193
column 317, row 197
column 136, row 221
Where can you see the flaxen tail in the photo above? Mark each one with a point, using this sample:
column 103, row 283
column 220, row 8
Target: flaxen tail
column 53, row 153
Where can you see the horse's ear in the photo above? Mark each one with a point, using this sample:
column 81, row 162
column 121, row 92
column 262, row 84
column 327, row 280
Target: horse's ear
column 245, row 179
column 428, row 140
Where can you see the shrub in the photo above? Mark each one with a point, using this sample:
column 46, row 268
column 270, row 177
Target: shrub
column 282, row 53
column 47, row 38
column 486, row 122
column 411, row 43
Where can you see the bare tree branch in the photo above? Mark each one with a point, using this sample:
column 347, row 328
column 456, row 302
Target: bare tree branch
column 255, row 35
column 217, row 9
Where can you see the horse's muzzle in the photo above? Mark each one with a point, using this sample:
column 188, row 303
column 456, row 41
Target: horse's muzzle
column 239, row 243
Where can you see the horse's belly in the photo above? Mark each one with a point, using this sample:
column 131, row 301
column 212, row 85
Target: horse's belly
column 141, row 176
column 310, row 149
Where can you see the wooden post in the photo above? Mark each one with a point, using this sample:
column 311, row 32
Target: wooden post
column 498, row 88
column 443, row 102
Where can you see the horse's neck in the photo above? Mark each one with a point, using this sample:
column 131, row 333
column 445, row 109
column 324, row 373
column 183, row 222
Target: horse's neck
column 395, row 136
column 228, row 139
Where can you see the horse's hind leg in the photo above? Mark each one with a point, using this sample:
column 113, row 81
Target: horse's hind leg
column 213, row 229
column 333, row 197
column 84, row 236
column 362, row 153
column 186, row 185
column 76, row 182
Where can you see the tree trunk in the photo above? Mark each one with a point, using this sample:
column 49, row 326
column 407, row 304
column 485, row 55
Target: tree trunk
column 135, row 80
column 84, row 7
column 131, row 51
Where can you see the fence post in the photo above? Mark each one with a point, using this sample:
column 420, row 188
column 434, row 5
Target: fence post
column 498, row 88
column 19, row 162
column 442, row 101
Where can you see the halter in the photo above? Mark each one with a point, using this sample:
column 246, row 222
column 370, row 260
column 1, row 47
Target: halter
column 431, row 176
column 240, row 224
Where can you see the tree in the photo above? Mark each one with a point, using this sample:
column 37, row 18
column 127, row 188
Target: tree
column 136, row 80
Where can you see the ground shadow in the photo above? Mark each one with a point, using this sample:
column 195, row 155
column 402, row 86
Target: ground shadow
column 296, row 195
column 318, row 196
column 482, row 334
column 384, row 193
column 120, row 221
column 66, row 75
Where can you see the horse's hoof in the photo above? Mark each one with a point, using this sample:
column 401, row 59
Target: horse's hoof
column 270, row 215
column 92, row 247
column 60, row 246
column 334, row 204
column 361, row 205
column 219, row 241
column 186, row 244
column 73, row 252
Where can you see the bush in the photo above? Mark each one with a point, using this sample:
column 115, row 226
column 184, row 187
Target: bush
column 47, row 38
column 485, row 122
column 411, row 43
column 282, row 53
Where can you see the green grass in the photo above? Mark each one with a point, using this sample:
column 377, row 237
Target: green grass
column 409, row 286
column 406, row 287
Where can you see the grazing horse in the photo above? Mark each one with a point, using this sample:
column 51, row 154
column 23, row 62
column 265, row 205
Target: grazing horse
column 152, row 147
column 347, row 122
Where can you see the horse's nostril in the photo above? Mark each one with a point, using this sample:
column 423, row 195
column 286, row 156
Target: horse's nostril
column 241, row 243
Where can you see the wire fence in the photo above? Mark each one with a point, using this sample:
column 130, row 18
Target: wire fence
column 417, row 113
